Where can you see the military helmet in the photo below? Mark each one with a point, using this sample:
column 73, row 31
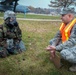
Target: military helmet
column 8, row 14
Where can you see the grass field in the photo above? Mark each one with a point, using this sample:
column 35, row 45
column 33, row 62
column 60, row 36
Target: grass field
column 35, row 60
column 33, row 16
column 37, row 16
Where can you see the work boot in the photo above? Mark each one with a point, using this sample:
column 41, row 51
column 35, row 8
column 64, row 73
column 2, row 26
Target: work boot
column 73, row 68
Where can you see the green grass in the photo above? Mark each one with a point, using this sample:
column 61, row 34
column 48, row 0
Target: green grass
column 36, row 16
column 35, row 60
column 33, row 16
column 1, row 14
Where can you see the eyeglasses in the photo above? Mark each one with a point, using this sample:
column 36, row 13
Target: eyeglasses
column 63, row 14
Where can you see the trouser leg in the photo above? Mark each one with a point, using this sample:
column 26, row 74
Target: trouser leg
column 69, row 54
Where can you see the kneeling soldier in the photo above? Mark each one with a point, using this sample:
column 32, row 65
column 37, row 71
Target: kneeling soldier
column 12, row 33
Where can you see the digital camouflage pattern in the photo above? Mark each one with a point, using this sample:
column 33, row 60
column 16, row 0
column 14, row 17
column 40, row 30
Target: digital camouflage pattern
column 67, row 49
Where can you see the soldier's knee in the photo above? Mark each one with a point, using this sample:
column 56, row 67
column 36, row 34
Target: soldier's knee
column 63, row 54
column 67, row 55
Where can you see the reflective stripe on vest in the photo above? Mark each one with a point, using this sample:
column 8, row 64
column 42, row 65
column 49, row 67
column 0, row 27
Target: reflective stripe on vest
column 66, row 29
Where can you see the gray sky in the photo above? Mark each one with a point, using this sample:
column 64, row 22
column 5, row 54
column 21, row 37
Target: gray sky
column 35, row 3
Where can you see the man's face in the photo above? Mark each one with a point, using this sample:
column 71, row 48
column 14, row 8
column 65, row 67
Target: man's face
column 65, row 18
column 10, row 20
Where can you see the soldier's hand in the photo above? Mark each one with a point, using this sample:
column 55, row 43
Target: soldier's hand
column 50, row 48
column 53, row 47
column 52, row 53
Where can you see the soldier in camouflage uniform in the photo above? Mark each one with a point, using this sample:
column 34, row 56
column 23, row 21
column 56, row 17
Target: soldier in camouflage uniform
column 12, row 33
column 66, row 44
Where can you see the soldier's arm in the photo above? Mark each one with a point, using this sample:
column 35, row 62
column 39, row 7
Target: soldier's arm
column 56, row 40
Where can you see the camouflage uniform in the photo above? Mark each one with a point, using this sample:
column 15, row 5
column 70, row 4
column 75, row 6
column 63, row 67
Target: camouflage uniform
column 3, row 50
column 68, row 48
column 12, row 33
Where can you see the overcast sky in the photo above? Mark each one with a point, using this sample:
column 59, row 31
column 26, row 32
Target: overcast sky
column 35, row 3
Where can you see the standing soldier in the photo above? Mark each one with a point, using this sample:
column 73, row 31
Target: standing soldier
column 12, row 33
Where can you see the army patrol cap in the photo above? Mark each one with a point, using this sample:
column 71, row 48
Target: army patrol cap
column 10, row 14
column 67, row 10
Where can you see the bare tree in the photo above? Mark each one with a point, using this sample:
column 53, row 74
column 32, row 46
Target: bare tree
column 62, row 3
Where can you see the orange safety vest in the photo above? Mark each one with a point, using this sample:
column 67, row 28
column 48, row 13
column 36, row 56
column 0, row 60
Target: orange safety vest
column 66, row 29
